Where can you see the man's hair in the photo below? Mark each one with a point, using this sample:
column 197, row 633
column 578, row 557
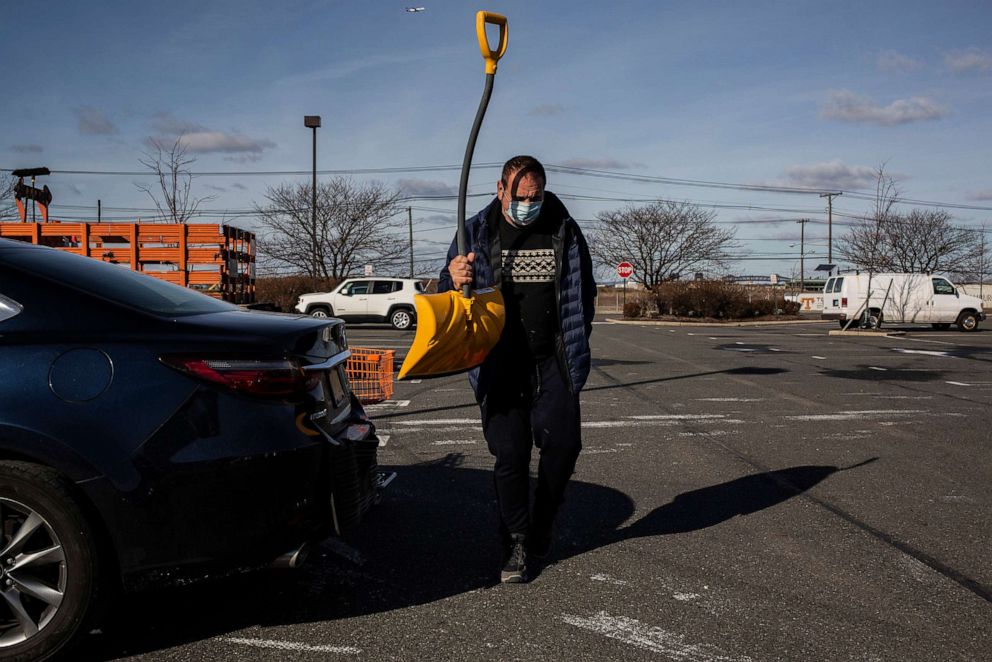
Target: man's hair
column 525, row 164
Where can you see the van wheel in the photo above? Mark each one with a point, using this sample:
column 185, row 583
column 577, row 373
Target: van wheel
column 842, row 323
column 874, row 320
column 49, row 564
column 401, row 319
column 967, row 321
column 941, row 326
column 320, row 312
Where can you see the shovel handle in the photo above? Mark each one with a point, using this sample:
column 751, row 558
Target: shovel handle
column 491, row 56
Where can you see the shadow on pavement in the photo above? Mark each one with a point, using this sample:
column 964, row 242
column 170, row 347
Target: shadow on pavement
column 865, row 373
column 433, row 538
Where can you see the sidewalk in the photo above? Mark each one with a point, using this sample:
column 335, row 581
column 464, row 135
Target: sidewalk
column 638, row 322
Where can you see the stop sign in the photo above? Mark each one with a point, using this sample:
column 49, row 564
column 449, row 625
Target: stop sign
column 625, row 270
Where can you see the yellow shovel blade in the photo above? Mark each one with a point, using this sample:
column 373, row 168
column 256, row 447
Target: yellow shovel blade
column 454, row 333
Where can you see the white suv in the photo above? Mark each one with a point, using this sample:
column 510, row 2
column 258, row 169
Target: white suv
column 366, row 300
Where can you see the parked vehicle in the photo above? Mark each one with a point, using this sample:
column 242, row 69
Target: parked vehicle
column 366, row 300
column 150, row 434
column 899, row 298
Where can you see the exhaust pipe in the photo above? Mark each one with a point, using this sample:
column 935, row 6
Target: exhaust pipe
column 294, row 558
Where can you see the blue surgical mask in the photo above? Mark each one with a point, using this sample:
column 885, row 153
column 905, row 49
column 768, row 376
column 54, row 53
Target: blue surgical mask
column 523, row 213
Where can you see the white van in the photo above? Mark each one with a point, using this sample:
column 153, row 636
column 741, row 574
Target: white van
column 899, row 298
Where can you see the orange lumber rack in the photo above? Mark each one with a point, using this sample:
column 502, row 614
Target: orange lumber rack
column 218, row 260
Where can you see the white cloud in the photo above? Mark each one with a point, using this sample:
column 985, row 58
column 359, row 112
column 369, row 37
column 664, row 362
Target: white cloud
column 598, row 164
column 547, row 109
column 982, row 196
column 846, row 106
column 895, row 62
column 830, row 175
column 968, row 60
column 424, row 187
column 26, row 149
column 203, row 142
column 168, row 124
column 93, row 122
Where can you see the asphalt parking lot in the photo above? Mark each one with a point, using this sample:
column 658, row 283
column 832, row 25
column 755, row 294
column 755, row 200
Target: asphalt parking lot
column 752, row 493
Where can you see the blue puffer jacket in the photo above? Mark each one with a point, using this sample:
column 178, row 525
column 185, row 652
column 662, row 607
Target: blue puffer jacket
column 576, row 285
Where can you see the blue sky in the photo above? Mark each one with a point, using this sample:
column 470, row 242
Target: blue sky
column 800, row 94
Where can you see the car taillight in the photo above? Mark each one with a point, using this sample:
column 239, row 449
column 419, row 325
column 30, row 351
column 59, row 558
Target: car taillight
column 843, row 302
column 277, row 379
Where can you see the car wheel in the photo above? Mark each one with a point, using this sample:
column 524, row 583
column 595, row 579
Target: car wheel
column 967, row 321
column 320, row 312
column 941, row 326
column 401, row 319
column 842, row 323
column 49, row 565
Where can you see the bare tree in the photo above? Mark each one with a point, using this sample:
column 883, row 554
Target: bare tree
column 170, row 164
column 7, row 208
column 864, row 244
column 919, row 241
column 663, row 240
column 356, row 225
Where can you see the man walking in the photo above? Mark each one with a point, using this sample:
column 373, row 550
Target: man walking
column 528, row 387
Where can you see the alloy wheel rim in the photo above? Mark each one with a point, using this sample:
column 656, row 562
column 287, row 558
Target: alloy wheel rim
column 401, row 320
column 318, row 313
column 33, row 573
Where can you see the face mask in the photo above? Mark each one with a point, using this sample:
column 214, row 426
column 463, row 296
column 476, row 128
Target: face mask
column 523, row 213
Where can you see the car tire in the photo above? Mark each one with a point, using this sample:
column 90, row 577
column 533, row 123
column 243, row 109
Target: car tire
column 320, row 312
column 401, row 318
column 967, row 321
column 941, row 326
column 842, row 323
column 50, row 575
column 873, row 320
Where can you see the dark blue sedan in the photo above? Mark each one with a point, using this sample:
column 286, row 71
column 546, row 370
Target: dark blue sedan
column 150, row 434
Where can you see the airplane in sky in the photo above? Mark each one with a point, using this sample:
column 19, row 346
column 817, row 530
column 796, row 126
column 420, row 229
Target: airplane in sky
column 412, row 10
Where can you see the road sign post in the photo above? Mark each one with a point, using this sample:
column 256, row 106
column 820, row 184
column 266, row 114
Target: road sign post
column 625, row 270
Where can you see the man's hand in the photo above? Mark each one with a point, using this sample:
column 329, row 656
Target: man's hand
column 460, row 269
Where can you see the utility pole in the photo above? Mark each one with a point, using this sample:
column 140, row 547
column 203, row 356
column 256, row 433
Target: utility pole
column 409, row 216
column 830, row 224
column 802, row 253
column 313, row 122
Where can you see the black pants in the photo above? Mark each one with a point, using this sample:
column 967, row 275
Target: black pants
column 530, row 405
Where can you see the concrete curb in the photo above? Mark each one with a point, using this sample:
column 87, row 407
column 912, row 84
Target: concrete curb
column 865, row 332
column 716, row 324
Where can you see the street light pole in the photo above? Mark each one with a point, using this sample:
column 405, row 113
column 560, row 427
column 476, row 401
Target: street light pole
column 802, row 253
column 830, row 224
column 313, row 122
column 409, row 215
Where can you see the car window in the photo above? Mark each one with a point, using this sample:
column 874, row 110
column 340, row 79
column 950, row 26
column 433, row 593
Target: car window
column 356, row 287
column 829, row 284
column 418, row 286
column 839, row 283
column 941, row 286
column 383, row 286
column 114, row 283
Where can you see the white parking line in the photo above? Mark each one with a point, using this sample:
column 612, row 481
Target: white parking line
column 441, row 421
column 821, row 358
column 294, row 646
column 730, row 399
column 650, row 638
column 855, row 415
column 452, row 442
column 383, row 440
column 871, row 367
column 927, row 352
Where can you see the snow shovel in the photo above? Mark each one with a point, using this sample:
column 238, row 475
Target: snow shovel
column 456, row 329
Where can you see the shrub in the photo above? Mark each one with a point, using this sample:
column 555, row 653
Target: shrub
column 283, row 291
column 633, row 309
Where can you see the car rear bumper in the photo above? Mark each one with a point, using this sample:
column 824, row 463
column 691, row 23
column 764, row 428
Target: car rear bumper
column 833, row 316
